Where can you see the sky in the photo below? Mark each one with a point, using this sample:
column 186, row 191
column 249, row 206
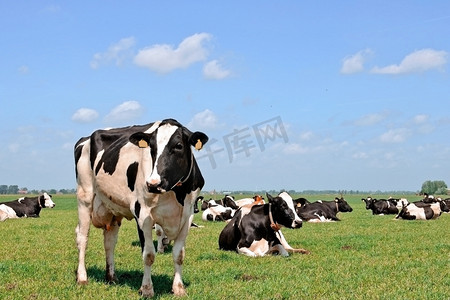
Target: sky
column 294, row 95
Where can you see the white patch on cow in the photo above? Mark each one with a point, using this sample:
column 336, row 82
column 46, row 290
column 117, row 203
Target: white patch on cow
column 244, row 201
column 419, row 212
column 7, row 212
column 402, row 202
column 288, row 199
column 163, row 136
column 257, row 248
column 48, row 201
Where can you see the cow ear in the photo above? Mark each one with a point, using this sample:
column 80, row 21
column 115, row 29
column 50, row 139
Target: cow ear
column 198, row 139
column 140, row 139
column 269, row 197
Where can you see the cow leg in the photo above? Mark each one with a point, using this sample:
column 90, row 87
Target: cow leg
column 178, row 254
column 148, row 256
column 163, row 241
column 110, row 234
column 82, row 232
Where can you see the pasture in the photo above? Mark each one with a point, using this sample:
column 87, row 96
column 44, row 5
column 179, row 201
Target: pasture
column 361, row 257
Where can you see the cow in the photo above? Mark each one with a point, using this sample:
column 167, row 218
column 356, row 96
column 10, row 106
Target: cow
column 245, row 201
column 323, row 211
column 423, row 211
column 256, row 231
column 381, row 206
column 227, row 201
column 25, row 207
column 142, row 172
column 217, row 212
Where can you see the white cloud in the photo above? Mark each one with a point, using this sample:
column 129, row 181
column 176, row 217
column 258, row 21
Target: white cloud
column 418, row 61
column 116, row 53
column 213, row 70
column 355, row 63
column 163, row 58
column 85, row 115
column 420, row 119
column 360, row 155
column 395, row 135
column 24, row 69
column 204, row 120
column 370, row 119
column 126, row 112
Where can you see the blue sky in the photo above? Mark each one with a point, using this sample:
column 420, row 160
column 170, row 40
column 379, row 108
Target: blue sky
column 299, row 95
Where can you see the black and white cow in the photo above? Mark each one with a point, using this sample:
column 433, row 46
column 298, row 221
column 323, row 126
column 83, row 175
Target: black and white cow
column 255, row 230
column 25, row 207
column 323, row 211
column 217, row 212
column 423, row 211
column 227, row 201
column 146, row 172
column 381, row 206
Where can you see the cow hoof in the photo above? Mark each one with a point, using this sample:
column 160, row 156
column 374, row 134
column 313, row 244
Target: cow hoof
column 146, row 291
column 179, row 290
column 82, row 282
column 111, row 279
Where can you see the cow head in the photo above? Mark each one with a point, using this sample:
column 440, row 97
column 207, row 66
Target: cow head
column 342, row 205
column 45, row 200
column 170, row 147
column 283, row 210
column 368, row 202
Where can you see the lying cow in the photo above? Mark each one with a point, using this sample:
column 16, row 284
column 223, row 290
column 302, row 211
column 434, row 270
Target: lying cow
column 323, row 211
column 423, row 211
column 246, row 201
column 256, row 231
column 217, row 212
column 381, row 206
column 147, row 173
column 227, row 201
column 25, row 207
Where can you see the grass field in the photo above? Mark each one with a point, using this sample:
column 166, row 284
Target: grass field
column 361, row 257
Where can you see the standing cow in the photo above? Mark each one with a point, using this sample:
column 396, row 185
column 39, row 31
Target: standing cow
column 146, row 172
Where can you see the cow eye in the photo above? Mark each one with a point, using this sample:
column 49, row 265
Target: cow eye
column 179, row 146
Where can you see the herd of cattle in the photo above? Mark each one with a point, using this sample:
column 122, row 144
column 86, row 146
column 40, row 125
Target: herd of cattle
column 149, row 173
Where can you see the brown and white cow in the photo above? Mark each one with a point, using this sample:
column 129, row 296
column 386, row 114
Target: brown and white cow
column 146, row 172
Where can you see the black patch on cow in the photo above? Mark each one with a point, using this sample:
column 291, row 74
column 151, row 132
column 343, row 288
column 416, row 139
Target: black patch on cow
column 131, row 175
column 137, row 211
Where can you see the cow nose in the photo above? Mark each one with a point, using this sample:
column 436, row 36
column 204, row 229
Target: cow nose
column 297, row 224
column 155, row 187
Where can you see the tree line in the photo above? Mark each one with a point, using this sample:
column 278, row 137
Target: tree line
column 14, row 189
column 437, row 187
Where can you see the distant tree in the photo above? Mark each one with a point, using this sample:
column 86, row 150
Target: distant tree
column 3, row 189
column 13, row 189
column 434, row 187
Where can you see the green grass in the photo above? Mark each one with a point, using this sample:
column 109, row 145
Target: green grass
column 361, row 257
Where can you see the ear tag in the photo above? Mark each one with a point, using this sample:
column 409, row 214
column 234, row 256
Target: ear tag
column 142, row 144
column 198, row 145
column 299, row 205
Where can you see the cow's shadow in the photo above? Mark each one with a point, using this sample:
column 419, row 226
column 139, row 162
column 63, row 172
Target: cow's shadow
column 162, row 284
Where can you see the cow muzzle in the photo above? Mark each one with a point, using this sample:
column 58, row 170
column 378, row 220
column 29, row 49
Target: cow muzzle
column 155, row 188
column 297, row 224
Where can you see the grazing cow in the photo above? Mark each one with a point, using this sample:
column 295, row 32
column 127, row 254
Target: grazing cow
column 146, row 172
column 381, row 206
column 25, row 207
column 256, row 231
column 423, row 211
column 323, row 211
